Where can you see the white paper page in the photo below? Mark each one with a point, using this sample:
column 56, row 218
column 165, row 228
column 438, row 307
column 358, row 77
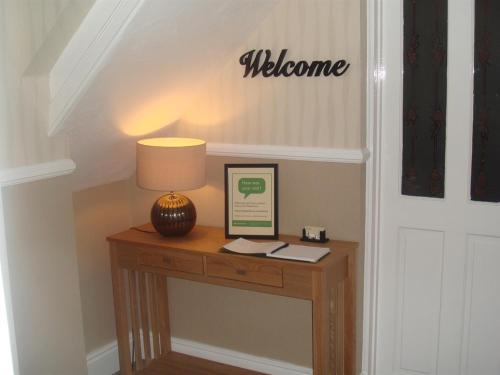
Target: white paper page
column 243, row 246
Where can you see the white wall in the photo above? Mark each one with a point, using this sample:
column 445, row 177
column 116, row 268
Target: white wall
column 24, row 27
column 173, row 69
column 31, row 33
column 295, row 111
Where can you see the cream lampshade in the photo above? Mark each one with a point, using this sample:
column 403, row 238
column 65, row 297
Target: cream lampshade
column 171, row 164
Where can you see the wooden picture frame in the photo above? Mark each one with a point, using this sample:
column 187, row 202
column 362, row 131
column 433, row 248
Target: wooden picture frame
column 251, row 200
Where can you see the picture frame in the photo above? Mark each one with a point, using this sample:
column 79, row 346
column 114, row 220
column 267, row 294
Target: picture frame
column 251, row 201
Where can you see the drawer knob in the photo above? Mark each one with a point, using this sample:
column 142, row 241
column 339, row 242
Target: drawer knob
column 241, row 272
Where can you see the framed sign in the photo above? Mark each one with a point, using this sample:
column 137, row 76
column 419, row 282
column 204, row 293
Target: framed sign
column 251, row 192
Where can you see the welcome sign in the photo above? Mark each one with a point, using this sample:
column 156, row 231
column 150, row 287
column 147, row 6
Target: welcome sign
column 260, row 62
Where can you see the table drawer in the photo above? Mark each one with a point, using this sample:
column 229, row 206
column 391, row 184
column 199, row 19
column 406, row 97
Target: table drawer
column 245, row 270
column 172, row 260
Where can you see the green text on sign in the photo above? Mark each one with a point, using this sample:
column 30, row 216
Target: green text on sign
column 249, row 186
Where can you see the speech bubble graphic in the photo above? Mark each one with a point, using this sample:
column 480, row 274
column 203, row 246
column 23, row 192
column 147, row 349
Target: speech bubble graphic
column 249, row 186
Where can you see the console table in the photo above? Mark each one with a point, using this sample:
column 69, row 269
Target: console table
column 141, row 261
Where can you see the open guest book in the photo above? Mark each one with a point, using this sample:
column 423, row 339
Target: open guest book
column 277, row 249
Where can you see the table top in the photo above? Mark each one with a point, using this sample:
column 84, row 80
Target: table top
column 210, row 240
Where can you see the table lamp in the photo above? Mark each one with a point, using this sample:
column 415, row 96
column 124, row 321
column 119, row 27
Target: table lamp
column 171, row 164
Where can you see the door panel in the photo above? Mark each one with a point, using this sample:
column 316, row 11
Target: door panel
column 419, row 300
column 482, row 306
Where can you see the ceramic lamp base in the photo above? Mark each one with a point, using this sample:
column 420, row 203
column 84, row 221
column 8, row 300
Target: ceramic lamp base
column 173, row 215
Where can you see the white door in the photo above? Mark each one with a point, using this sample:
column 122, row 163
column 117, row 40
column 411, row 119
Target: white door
column 438, row 292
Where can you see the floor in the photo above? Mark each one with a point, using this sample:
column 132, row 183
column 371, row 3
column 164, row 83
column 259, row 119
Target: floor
column 181, row 364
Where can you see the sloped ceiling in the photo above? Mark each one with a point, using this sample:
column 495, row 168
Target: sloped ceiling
column 154, row 68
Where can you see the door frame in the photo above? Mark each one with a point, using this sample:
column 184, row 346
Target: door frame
column 375, row 74
column 9, row 364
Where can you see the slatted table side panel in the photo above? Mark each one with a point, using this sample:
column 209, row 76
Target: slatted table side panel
column 134, row 321
column 146, row 300
column 337, row 321
column 333, row 332
column 144, row 303
column 153, row 311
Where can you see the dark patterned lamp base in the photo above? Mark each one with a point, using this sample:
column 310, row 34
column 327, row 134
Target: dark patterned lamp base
column 173, row 215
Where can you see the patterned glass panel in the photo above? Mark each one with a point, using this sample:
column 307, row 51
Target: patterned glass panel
column 485, row 184
column 424, row 97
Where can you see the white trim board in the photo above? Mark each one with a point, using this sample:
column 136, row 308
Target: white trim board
column 336, row 155
column 35, row 172
column 104, row 361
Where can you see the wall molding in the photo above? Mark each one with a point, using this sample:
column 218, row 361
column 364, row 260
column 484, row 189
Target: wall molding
column 332, row 155
column 104, row 361
column 35, row 172
column 85, row 54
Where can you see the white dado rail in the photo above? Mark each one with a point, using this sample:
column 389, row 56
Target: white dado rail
column 35, row 172
column 320, row 154
column 60, row 167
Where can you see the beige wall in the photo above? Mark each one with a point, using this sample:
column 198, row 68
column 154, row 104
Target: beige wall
column 99, row 212
column 293, row 111
column 310, row 193
column 44, row 278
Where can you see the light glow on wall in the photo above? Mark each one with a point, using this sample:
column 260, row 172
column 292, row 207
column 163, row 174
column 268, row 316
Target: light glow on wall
column 218, row 103
column 155, row 114
column 208, row 112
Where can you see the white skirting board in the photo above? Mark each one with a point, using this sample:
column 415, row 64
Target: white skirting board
column 104, row 361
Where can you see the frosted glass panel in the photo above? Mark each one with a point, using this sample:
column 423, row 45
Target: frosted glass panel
column 485, row 184
column 424, row 97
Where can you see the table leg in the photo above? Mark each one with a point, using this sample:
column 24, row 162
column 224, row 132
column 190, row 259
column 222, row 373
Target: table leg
column 343, row 320
column 349, row 309
column 334, row 320
column 321, row 336
column 163, row 314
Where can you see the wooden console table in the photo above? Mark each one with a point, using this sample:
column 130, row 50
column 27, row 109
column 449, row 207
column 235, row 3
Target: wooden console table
column 141, row 261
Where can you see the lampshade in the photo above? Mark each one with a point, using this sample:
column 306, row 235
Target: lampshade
column 171, row 164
